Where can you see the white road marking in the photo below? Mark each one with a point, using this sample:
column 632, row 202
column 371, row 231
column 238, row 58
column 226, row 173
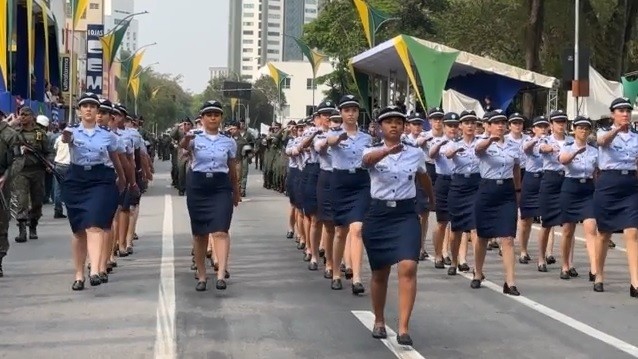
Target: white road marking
column 557, row 232
column 560, row 317
column 166, row 337
column 400, row 351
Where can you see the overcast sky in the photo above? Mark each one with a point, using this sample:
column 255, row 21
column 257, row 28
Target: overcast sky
column 191, row 36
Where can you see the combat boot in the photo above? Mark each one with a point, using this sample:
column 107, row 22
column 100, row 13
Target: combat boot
column 33, row 229
column 22, row 232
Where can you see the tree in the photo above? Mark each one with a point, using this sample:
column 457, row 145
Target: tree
column 533, row 41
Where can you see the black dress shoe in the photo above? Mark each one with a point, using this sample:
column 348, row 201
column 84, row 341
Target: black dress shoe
column 404, row 339
column 201, row 286
column 378, row 332
column 342, row 267
column 307, row 257
column 423, row 255
column 193, row 266
column 95, row 280
column 510, row 290
column 475, row 284
column 313, row 266
column 451, row 271
column 633, row 291
column 550, row 260
column 542, row 268
column 357, row 288
column 464, row 267
column 572, row 272
column 301, row 246
column 209, row 254
column 598, row 287
column 129, row 250
column 592, row 277
column 289, row 234
column 322, row 253
column 336, row 284
column 104, row 278
column 447, row 261
column 327, row 274
column 438, row 264
column 78, row 285
column 565, row 275
column 220, row 284
column 348, row 273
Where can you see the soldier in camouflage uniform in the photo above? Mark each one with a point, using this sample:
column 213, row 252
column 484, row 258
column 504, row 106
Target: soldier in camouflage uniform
column 8, row 150
column 28, row 184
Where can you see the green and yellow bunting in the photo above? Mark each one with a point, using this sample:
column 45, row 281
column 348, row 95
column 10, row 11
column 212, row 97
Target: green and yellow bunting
column 277, row 75
column 630, row 89
column 112, row 41
column 79, row 8
column 371, row 19
column 314, row 57
column 135, row 67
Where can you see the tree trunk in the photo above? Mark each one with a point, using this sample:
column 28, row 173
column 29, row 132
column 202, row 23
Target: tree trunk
column 533, row 40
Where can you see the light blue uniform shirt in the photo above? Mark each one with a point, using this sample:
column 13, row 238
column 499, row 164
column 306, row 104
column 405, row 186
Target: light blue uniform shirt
column 91, row 147
column 293, row 161
column 325, row 159
column 499, row 159
column 312, row 156
column 620, row 154
column 392, row 178
column 211, row 152
column 442, row 164
column 520, row 141
column 465, row 161
column 533, row 160
column 121, row 148
column 347, row 155
column 428, row 144
column 550, row 160
column 584, row 164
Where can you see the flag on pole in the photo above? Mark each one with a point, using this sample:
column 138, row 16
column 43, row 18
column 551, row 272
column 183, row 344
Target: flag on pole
column 314, row 57
column 135, row 86
column 4, row 48
column 135, row 66
column 233, row 104
column 371, row 19
column 31, row 41
column 112, row 41
column 79, row 9
column 154, row 93
column 277, row 75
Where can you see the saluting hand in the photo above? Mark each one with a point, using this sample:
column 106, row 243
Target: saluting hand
column 494, row 139
column 580, row 150
column 343, row 136
column 66, row 136
column 395, row 149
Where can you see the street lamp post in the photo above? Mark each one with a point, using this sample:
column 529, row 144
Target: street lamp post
column 130, row 57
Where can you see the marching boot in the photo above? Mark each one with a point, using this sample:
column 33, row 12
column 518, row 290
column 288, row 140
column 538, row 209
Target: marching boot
column 33, row 229
column 22, row 232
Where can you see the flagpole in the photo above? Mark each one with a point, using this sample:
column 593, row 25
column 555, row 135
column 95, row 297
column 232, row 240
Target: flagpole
column 71, row 59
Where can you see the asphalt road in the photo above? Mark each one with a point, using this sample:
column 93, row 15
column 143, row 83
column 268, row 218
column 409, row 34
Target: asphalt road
column 275, row 308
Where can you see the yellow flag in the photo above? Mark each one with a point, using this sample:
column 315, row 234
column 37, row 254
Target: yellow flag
column 79, row 10
column 233, row 103
column 135, row 66
column 107, row 44
column 3, row 42
column 135, row 86
column 154, row 93
column 47, row 74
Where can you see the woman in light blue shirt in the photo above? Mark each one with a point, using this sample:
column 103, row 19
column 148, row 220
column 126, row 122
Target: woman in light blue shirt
column 293, row 181
column 211, row 190
column 350, row 192
column 577, row 195
column 616, row 194
column 90, row 189
column 391, row 228
column 463, row 187
column 496, row 201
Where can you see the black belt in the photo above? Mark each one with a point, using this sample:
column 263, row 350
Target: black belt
column 535, row 174
column 390, row 203
column 558, row 173
column 621, row 172
column 466, row 175
column 581, row 180
column 351, row 171
column 445, row 177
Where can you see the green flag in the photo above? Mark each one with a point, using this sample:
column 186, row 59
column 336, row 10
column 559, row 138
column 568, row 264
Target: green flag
column 314, row 57
column 112, row 41
column 433, row 67
column 371, row 19
column 277, row 75
column 630, row 89
column 362, row 81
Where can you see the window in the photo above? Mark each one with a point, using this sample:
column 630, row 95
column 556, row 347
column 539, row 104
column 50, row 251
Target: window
column 94, row 6
column 311, row 2
column 247, row 68
column 285, row 84
column 247, row 50
column 273, row 24
column 274, row 7
column 276, row 52
column 249, row 6
column 249, row 14
column 274, row 16
column 247, row 41
column 273, row 33
column 273, row 42
column 309, row 85
column 311, row 11
column 248, row 23
column 246, row 58
column 248, row 32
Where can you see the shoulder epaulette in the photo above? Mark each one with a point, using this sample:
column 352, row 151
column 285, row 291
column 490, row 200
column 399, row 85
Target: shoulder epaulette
column 406, row 143
column 376, row 144
column 74, row 125
column 105, row 128
column 605, row 128
column 633, row 130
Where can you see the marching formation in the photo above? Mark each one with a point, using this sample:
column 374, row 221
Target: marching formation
column 486, row 180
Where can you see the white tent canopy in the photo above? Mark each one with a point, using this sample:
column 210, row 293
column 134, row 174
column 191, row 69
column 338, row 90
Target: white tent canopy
column 455, row 101
column 601, row 93
column 384, row 61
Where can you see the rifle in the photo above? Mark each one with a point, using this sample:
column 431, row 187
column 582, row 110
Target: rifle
column 47, row 164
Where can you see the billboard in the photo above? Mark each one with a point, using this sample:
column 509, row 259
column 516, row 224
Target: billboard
column 94, row 59
column 240, row 90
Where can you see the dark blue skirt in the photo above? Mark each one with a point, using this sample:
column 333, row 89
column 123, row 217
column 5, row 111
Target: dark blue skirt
column 495, row 211
column 431, row 170
column 391, row 232
column 422, row 202
column 310, row 189
column 549, row 199
column 577, row 199
column 441, row 189
column 616, row 201
column 531, row 186
column 91, row 197
column 291, row 178
column 350, row 195
column 209, row 199
column 298, row 189
column 461, row 201
column 324, row 203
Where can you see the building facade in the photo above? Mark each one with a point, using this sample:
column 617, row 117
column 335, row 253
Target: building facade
column 114, row 12
column 298, row 87
column 258, row 29
column 217, row 72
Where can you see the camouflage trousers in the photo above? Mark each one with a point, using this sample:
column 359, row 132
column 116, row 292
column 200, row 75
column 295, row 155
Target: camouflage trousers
column 28, row 194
